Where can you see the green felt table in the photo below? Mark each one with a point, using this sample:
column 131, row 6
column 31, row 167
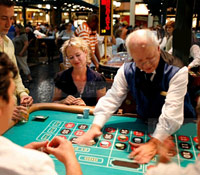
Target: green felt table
column 99, row 159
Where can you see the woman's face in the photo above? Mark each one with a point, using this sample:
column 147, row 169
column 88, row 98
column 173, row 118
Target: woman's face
column 169, row 30
column 76, row 57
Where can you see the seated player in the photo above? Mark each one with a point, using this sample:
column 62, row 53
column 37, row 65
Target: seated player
column 173, row 168
column 78, row 85
column 16, row 159
column 161, row 99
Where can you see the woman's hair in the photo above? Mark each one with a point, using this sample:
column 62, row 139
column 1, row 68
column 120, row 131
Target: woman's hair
column 7, row 70
column 79, row 43
column 170, row 23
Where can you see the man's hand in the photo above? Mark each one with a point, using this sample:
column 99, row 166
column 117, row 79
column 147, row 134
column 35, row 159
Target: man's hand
column 89, row 136
column 36, row 145
column 17, row 113
column 166, row 148
column 26, row 100
column 61, row 148
column 143, row 153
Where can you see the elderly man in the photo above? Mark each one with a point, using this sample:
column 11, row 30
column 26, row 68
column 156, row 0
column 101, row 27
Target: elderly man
column 157, row 82
column 6, row 45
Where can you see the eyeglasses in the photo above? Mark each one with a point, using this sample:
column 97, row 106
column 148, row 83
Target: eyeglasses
column 149, row 61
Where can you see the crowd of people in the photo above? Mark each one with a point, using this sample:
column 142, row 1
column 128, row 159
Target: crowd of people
column 157, row 80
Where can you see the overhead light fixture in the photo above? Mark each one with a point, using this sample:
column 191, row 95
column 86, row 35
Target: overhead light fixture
column 48, row 6
column 39, row 5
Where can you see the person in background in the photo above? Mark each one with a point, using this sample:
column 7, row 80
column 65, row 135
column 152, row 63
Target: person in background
column 88, row 31
column 68, row 32
column 37, row 33
column 20, row 42
column 78, row 85
column 15, row 159
column 116, row 26
column 119, row 41
column 124, row 30
column 167, row 44
column 158, row 84
column 6, row 45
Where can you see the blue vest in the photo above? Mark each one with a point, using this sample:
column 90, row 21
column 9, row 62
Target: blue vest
column 149, row 96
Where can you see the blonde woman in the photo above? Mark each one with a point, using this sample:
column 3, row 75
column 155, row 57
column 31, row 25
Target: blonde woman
column 78, row 85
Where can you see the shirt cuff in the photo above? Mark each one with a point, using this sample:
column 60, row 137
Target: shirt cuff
column 100, row 120
column 160, row 134
column 23, row 94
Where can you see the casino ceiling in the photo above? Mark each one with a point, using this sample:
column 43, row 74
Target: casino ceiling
column 61, row 3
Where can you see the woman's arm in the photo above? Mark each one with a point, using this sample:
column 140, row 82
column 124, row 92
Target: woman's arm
column 57, row 94
column 24, row 48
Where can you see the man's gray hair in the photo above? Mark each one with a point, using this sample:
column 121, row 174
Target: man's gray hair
column 144, row 34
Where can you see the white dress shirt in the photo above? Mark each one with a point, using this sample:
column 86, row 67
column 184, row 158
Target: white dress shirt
column 171, row 117
column 17, row 160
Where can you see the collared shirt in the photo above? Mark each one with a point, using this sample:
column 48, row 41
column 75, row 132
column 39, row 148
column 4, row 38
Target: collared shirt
column 171, row 117
column 8, row 48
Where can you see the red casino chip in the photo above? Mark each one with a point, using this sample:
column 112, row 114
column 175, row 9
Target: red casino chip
column 69, row 125
column 62, row 136
column 110, row 129
column 138, row 133
column 123, row 138
column 196, row 139
column 79, row 133
column 105, row 144
column 183, row 138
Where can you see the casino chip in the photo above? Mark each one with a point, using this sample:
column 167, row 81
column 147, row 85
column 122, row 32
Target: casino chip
column 92, row 142
column 105, row 144
column 82, row 126
column 137, row 140
column 120, row 146
column 108, row 136
column 185, row 145
column 65, row 131
column 123, row 138
column 186, row 154
column 73, row 140
column 124, row 131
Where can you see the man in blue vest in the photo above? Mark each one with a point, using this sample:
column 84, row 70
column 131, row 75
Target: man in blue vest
column 158, row 84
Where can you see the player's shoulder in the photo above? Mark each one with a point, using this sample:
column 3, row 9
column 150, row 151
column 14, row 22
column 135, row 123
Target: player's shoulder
column 63, row 75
